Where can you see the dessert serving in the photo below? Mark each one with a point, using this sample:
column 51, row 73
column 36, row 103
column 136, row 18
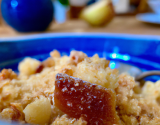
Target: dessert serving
column 76, row 90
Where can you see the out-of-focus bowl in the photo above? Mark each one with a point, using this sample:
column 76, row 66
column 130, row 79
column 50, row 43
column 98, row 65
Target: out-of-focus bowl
column 27, row 15
column 155, row 5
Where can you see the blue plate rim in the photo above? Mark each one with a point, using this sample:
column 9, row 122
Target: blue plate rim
column 74, row 35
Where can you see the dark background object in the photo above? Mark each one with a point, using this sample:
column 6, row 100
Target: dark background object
column 27, row 15
column 64, row 2
column 91, row 2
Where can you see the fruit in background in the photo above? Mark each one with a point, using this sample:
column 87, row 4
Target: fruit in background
column 143, row 6
column 99, row 13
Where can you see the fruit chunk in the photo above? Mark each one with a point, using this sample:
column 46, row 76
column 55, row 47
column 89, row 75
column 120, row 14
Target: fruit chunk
column 38, row 112
column 28, row 66
column 99, row 13
column 77, row 98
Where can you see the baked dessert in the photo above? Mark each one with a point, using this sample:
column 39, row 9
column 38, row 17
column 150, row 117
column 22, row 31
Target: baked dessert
column 76, row 90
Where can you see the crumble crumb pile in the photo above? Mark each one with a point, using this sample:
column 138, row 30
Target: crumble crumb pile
column 29, row 97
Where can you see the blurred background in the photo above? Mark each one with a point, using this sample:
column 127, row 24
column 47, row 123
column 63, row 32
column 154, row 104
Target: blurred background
column 23, row 17
column 26, row 17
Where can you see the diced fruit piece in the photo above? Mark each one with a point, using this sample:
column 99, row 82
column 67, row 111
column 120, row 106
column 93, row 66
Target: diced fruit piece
column 38, row 112
column 28, row 66
column 77, row 98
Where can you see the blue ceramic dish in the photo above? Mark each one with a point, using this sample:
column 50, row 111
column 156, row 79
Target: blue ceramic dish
column 140, row 51
column 27, row 15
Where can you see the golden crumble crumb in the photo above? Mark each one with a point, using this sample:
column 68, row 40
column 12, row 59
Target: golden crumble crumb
column 48, row 62
column 77, row 56
column 6, row 114
column 7, row 74
column 18, row 114
column 14, row 113
column 55, row 54
column 67, row 71
column 97, row 73
column 64, row 120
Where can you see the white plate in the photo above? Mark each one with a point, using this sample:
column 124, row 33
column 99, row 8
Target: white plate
column 149, row 18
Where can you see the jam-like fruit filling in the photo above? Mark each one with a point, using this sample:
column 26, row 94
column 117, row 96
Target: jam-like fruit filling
column 78, row 98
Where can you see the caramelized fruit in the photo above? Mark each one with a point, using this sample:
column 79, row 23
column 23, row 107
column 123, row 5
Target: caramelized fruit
column 39, row 68
column 77, row 98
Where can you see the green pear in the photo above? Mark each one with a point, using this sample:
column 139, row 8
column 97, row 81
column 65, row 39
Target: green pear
column 99, row 13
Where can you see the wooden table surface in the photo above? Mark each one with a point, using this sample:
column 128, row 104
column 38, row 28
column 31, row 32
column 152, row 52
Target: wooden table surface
column 120, row 24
